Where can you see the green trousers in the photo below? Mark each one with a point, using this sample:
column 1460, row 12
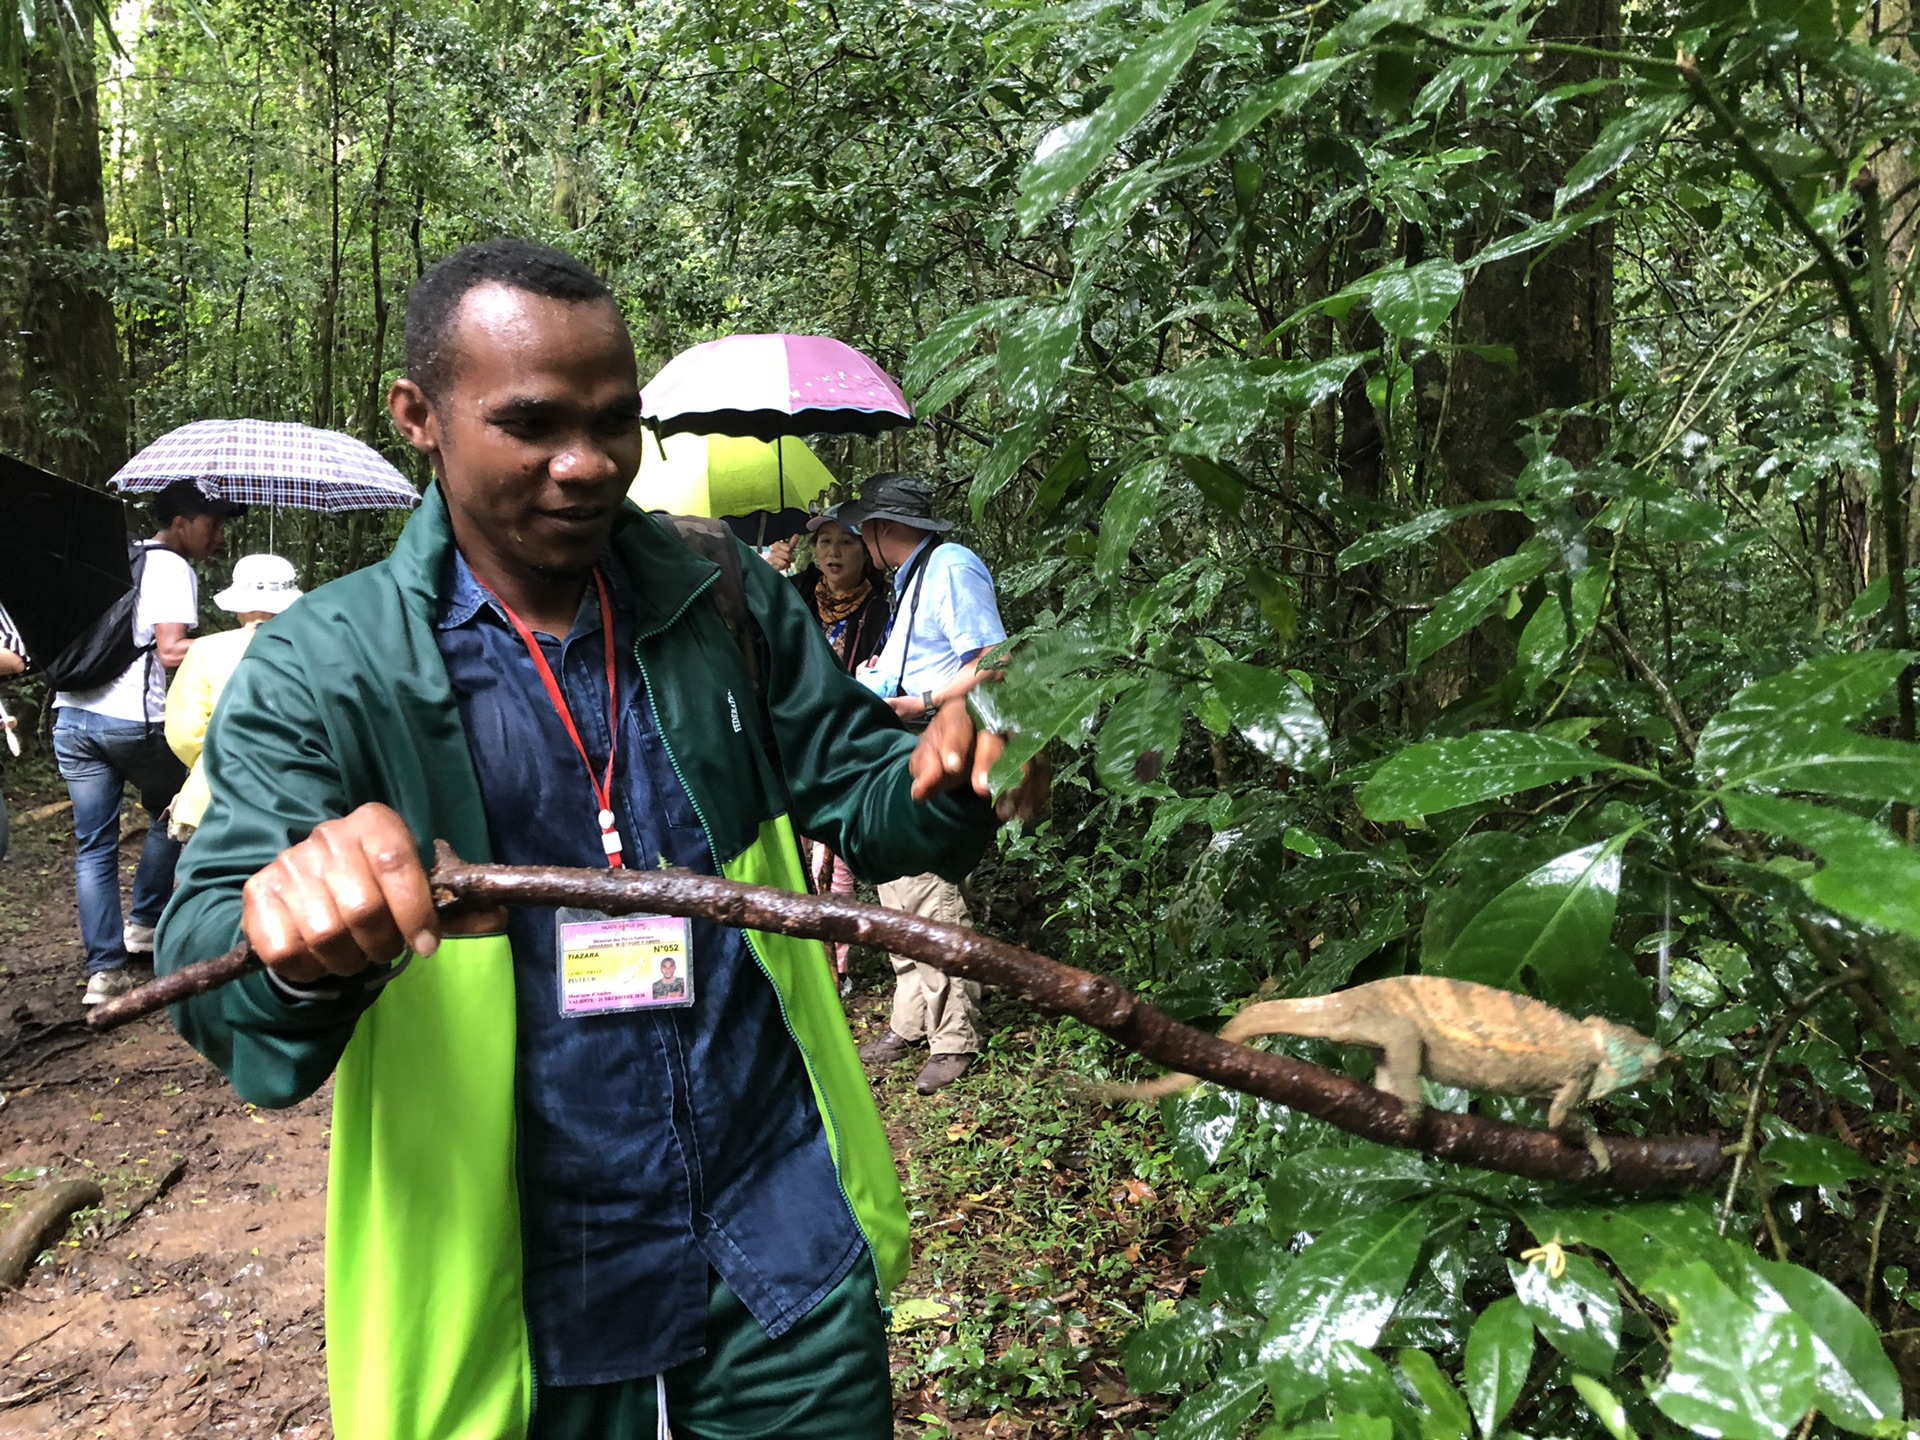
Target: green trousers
column 825, row 1379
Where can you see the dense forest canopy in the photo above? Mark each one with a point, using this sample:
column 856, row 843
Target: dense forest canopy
column 1450, row 463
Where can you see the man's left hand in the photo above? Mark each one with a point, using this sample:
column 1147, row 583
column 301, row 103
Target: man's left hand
column 953, row 753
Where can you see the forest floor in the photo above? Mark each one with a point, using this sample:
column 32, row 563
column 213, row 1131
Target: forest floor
column 189, row 1302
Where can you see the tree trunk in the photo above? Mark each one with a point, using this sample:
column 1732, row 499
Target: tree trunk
column 63, row 393
column 1557, row 321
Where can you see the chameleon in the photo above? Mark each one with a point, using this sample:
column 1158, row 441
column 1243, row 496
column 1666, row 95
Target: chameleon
column 1454, row 1032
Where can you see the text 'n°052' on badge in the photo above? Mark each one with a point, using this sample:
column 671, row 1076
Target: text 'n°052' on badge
column 632, row 962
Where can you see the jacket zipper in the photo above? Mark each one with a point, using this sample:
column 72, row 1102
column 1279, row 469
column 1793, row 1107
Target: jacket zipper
column 806, row 1056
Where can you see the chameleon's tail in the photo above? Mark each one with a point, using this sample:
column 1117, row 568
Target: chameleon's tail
column 1316, row 1017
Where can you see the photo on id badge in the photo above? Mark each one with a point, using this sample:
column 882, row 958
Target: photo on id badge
column 630, row 962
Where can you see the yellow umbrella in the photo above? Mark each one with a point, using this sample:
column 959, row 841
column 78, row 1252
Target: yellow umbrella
column 727, row 475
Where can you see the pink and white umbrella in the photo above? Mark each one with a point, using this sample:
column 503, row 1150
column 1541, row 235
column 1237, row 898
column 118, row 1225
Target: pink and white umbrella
column 272, row 463
column 766, row 386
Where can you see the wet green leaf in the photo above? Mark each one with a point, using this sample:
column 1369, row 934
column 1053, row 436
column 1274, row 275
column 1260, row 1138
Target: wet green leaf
column 1814, row 1160
column 1071, row 152
column 1640, row 1239
column 1273, row 714
column 1414, row 303
column 1175, row 1352
column 1220, row 1409
column 1223, row 486
column 1408, row 533
column 949, row 386
column 1605, row 1405
column 1552, row 634
column 1499, row 1355
column 1034, row 351
column 1369, row 20
column 1342, row 1425
column 1439, row 775
column 1202, row 1121
column 1859, row 1390
column 1073, row 466
column 1881, row 76
column 1555, row 919
column 950, row 339
column 1359, row 1384
column 1579, row 1313
column 1473, row 75
column 1283, row 96
column 1735, row 1369
column 1343, row 1287
column 1872, row 600
column 1785, row 717
column 1277, row 599
column 1139, row 737
column 1004, row 460
column 1858, row 767
column 1245, row 1267
column 1446, row 1417
column 1639, row 128
column 1316, row 1189
column 1868, row 875
column 1474, row 598
column 1211, row 405
column 1127, row 509
column 1111, row 206
column 1303, row 384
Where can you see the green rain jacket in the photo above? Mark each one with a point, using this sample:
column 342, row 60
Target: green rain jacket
column 344, row 700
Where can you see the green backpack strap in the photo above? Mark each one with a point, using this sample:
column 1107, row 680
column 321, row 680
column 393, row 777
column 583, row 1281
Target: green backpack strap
column 715, row 541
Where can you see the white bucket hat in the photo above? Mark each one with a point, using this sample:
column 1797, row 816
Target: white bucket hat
column 260, row 582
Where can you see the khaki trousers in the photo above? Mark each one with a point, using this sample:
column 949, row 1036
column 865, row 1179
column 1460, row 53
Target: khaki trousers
column 928, row 1003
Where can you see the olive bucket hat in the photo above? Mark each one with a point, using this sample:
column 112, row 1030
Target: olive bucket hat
column 907, row 499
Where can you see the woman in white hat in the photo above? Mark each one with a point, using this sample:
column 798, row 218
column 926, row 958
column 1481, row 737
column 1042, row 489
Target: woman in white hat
column 263, row 586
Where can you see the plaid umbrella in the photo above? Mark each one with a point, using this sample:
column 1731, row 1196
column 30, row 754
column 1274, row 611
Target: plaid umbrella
column 273, row 463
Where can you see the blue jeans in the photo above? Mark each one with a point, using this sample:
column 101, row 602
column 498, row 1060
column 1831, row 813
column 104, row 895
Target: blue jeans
column 99, row 756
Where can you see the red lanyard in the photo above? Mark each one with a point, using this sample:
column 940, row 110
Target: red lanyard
column 603, row 786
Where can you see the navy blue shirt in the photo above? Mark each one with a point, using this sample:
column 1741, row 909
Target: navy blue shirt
column 655, row 1146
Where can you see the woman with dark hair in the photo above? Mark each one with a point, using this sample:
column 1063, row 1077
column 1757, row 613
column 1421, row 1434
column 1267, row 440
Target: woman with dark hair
column 839, row 588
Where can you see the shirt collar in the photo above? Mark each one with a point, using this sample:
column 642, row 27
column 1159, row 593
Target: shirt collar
column 467, row 597
column 906, row 566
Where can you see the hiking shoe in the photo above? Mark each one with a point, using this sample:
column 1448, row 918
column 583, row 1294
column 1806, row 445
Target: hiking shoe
column 137, row 938
column 106, row 985
column 889, row 1049
column 941, row 1071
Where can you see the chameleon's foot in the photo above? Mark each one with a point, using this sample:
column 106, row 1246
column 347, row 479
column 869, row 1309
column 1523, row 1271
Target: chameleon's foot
column 1579, row 1129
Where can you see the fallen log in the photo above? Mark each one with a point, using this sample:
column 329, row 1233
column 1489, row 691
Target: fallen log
column 1667, row 1163
column 37, row 1222
column 41, row 812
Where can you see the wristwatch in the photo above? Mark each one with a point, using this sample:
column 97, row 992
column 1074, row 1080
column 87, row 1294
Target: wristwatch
column 926, row 699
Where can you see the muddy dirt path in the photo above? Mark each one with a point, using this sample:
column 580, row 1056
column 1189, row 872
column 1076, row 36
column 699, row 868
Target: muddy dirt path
column 188, row 1303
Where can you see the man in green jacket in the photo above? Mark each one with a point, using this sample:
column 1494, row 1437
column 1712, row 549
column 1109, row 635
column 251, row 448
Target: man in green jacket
column 559, row 1205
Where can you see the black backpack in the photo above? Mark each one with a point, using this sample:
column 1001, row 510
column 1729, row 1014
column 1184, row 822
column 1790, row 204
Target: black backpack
column 101, row 653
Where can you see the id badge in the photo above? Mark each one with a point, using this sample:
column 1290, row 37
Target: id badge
column 632, row 962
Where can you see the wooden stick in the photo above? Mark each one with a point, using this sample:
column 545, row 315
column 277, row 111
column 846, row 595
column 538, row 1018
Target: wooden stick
column 1639, row 1165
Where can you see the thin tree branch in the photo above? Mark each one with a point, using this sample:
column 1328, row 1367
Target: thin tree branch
column 1637, row 1164
column 1675, row 715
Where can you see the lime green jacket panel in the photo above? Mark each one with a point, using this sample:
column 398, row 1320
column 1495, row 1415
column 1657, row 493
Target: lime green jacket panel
column 426, row 1333
column 803, row 976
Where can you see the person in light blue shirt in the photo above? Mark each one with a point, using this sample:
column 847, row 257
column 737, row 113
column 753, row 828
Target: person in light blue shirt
column 945, row 618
